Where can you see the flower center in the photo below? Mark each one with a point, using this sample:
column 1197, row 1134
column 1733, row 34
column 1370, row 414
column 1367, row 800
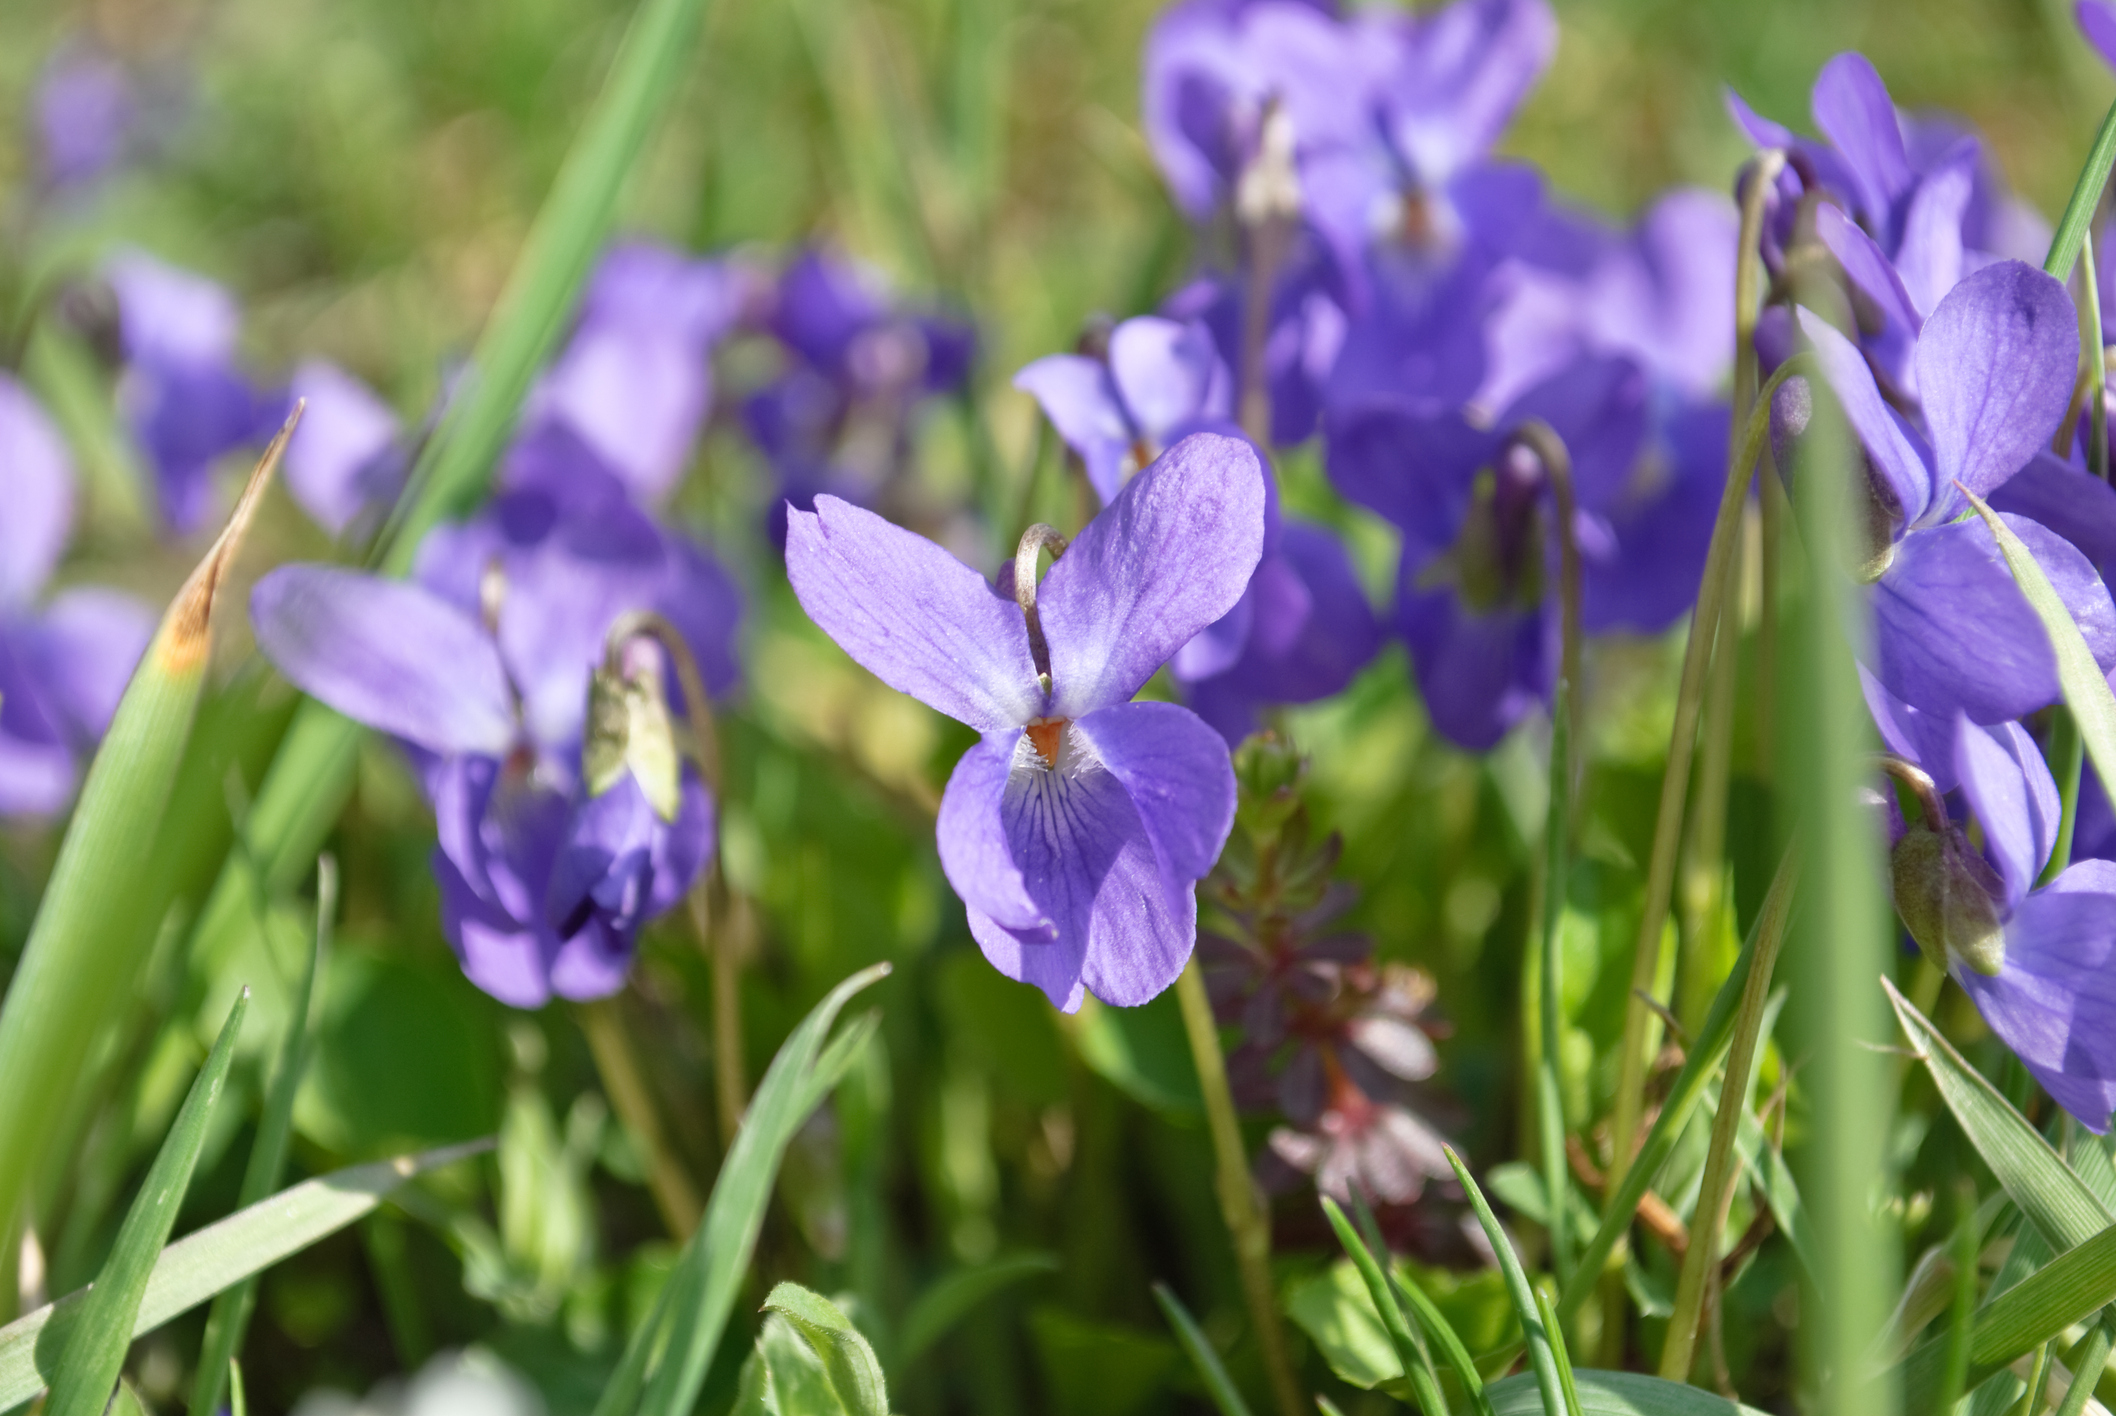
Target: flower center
column 1045, row 734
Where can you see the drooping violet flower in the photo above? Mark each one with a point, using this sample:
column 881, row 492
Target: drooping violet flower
column 482, row 667
column 1075, row 830
column 841, row 419
column 1475, row 507
column 1952, row 631
column 345, row 462
column 1159, row 382
column 188, row 402
column 635, row 380
column 2037, row 962
column 64, row 660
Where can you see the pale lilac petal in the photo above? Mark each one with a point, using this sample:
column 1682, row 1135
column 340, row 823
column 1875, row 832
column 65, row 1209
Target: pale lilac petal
column 1172, row 553
column 638, row 397
column 36, row 761
column 1080, row 398
column 1869, row 268
column 2097, row 20
column 920, row 620
column 89, row 640
column 1952, row 630
column 36, row 495
column 1053, row 966
column 1168, row 374
column 1930, row 255
column 1758, row 129
column 1852, row 108
column 1925, row 740
column 1199, row 85
column 1466, row 69
column 1179, row 777
column 2069, row 500
column 1216, row 648
column 385, row 653
column 1478, row 673
column 2010, row 789
column 1995, row 367
column 168, row 314
column 974, row 853
column 335, row 464
column 1903, row 471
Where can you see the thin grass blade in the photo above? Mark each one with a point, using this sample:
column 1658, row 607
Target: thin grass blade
column 1557, row 1348
column 205, row 1262
column 1417, row 1365
column 86, row 947
column 1437, row 1328
column 230, row 1317
column 1196, row 1346
column 1542, row 1359
column 2086, row 197
column 95, row 1352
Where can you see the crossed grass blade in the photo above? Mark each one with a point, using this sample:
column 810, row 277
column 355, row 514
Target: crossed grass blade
column 209, row 1260
column 1417, row 1365
column 1196, row 1346
column 1542, row 1340
column 87, row 944
column 687, row 1321
column 94, row 1352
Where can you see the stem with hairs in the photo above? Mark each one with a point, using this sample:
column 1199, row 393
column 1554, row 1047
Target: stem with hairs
column 1247, row 1219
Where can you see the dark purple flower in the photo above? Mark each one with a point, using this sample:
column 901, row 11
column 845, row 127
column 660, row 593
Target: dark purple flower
column 65, row 660
column 482, row 666
column 1075, row 830
column 1994, row 366
column 188, row 402
column 2037, row 962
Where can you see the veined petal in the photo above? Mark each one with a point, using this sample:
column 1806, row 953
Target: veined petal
column 36, row 513
column 1080, row 398
column 914, row 616
column 2009, row 787
column 1902, row 468
column 971, row 833
column 391, row 655
column 1995, row 367
column 1177, row 772
column 1930, row 253
column 1172, row 553
column 1851, row 106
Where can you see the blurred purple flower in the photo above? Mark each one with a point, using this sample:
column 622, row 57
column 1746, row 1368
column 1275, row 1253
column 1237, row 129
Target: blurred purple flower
column 1302, row 337
column 345, row 461
column 482, row 666
column 86, row 115
column 1075, row 830
column 188, row 403
column 65, row 660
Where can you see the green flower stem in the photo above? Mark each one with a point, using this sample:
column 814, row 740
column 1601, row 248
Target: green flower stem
column 1557, row 1185
column 675, row 1193
column 1247, row 1220
column 1667, row 827
column 1722, row 1164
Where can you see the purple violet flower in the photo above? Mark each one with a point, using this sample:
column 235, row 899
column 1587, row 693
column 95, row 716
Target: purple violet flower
column 64, row 662
column 87, row 116
column 188, row 403
column 2037, row 962
column 1302, row 339
column 481, row 666
column 1075, row 831
column 345, row 461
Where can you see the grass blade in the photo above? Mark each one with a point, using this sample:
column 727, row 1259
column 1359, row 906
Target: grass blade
column 1617, row 1394
column 208, row 1260
column 1437, row 1328
column 95, row 1352
column 1713, row 1038
column 225, row 1325
column 1417, row 1366
column 951, row 1299
column 1211, row 1370
column 1542, row 1358
column 1557, row 1348
column 86, row 945
column 694, row 1307
column 2086, row 196
column 311, row 774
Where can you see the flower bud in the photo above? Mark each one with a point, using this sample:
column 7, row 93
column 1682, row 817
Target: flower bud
column 1947, row 896
column 628, row 730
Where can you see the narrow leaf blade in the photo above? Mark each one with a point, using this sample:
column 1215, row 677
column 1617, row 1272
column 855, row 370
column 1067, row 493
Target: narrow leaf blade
column 1198, row 1348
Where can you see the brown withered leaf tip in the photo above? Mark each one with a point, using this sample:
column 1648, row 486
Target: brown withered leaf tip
column 187, row 628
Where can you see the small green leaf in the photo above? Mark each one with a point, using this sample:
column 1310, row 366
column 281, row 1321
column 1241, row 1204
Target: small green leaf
column 2086, row 691
column 1616, row 1394
column 95, row 1352
column 848, row 1362
column 1542, row 1341
column 208, row 1260
column 1198, row 1348
column 954, row 1296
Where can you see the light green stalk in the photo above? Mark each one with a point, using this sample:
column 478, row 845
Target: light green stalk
column 82, row 959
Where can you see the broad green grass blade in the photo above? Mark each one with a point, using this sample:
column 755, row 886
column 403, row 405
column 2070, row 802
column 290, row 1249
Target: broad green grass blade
column 86, row 945
column 1437, row 1328
column 700, row 1294
column 1198, row 1348
column 1689, row 1087
column 1616, row 1394
column 311, row 775
column 954, row 1297
column 1542, row 1359
column 1417, row 1366
column 2048, row 1191
column 207, row 1261
column 2069, row 1289
column 2086, row 197
column 2086, row 691
column 848, row 1362
column 95, row 1351
column 230, row 1317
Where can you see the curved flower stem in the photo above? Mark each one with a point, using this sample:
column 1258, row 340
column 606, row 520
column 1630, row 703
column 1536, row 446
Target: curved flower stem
column 1550, row 450
column 675, row 1194
column 722, row 947
column 1247, row 1220
column 1704, row 874
column 1268, row 205
column 1034, row 541
column 1721, row 1163
column 1667, row 828
column 2096, row 354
